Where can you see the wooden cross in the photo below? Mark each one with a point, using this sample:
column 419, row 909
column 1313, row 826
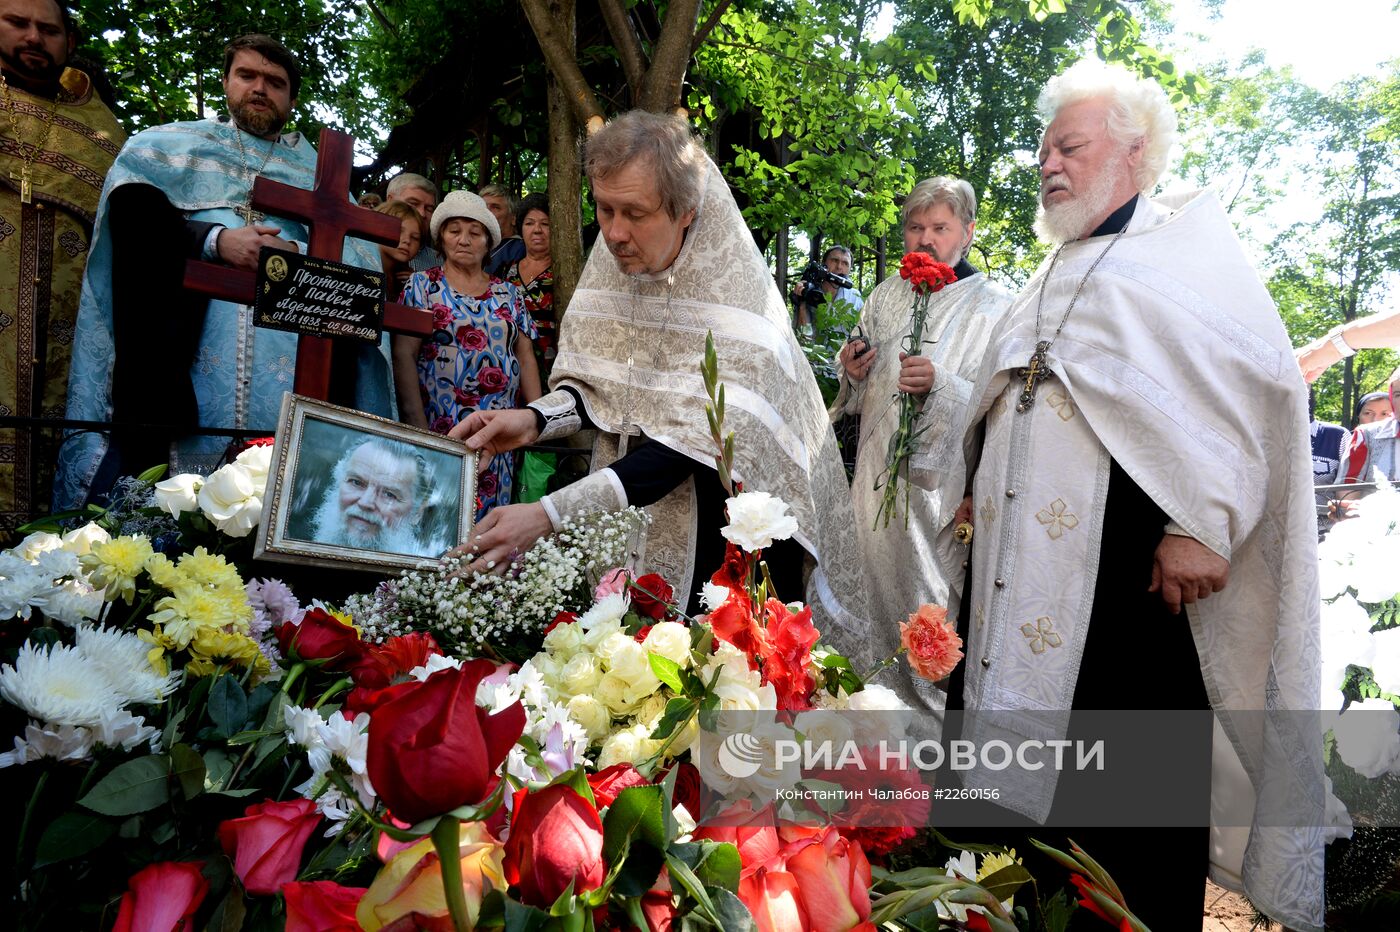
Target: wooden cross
column 331, row 216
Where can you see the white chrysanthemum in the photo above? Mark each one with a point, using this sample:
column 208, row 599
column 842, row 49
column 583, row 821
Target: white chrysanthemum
column 433, row 664
column 303, row 726
column 118, row 728
column 756, row 519
column 124, row 660
column 23, row 587
column 58, row 742
column 58, row 686
column 528, row 683
column 610, row 608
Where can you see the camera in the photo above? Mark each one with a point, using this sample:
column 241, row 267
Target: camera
column 809, row 288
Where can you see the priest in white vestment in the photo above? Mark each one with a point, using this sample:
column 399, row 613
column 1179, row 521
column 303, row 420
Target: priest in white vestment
column 675, row 262
column 1119, row 477
column 939, row 218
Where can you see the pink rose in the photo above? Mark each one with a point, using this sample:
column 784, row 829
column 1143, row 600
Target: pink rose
column 266, row 844
column 162, row 897
column 492, row 379
column 470, row 338
column 442, row 316
column 442, row 425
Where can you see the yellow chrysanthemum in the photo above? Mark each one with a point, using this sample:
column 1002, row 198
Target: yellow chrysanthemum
column 344, row 618
column 114, row 566
column 156, row 655
column 165, row 574
column 214, row 644
column 210, row 570
column 182, row 615
column 202, row 668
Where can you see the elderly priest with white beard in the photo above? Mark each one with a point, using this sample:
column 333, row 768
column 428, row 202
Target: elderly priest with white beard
column 675, row 262
column 1119, row 479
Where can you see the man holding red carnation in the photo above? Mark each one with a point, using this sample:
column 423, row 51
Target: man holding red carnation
column 939, row 222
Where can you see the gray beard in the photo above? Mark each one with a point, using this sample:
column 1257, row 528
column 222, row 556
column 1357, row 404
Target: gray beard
column 1073, row 219
column 330, row 528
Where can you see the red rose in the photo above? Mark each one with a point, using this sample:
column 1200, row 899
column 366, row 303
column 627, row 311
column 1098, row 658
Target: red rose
column 319, row 636
column 321, row 906
column 492, row 379
column 651, row 596
column 429, row 351
column 431, row 749
column 833, row 880
column 465, row 398
column 470, row 338
column 435, row 274
column 752, row 832
column 162, row 897
column 556, row 838
column 610, row 781
column 442, row 425
column 658, row 910
column 266, row 844
column 790, row 639
column 641, row 636
column 487, row 484
column 563, row 618
column 688, row 789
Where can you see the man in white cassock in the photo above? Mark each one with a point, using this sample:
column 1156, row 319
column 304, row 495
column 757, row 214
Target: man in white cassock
column 1120, row 478
column 939, row 218
column 675, row 262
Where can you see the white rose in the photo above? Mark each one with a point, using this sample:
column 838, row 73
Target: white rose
column 685, row 737
column 618, row 748
column 1368, row 737
column 613, row 692
column 671, row 640
column 39, row 542
column 257, row 460
column 594, row 637
column 630, row 660
column 824, row 728
column 651, row 710
column 591, row 715
column 1385, row 667
column 80, row 541
column 877, row 698
column 231, row 500
column 616, row 642
column 564, row 639
column 579, row 675
column 877, row 712
column 179, row 494
column 756, row 519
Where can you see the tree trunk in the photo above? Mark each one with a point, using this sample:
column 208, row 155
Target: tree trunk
column 565, row 171
column 881, row 248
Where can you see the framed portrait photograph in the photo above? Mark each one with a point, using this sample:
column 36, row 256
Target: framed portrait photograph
column 351, row 490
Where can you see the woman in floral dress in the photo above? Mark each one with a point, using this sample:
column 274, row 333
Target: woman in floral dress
column 534, row 276
column 481, row 354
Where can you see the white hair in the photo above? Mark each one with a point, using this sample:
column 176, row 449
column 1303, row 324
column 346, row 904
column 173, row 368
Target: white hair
column 1139, row 111
column 405, row 180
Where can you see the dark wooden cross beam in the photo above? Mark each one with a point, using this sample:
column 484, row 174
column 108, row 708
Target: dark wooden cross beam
column 331, row 216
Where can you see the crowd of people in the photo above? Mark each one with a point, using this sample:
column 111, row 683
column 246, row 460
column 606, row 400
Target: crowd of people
column 1083, row 492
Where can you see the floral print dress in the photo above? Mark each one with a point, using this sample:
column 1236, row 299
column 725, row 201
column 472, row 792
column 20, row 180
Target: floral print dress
column 539, row 301
column 469, row 362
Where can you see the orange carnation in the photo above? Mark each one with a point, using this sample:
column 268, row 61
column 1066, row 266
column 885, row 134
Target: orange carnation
column 932, row 642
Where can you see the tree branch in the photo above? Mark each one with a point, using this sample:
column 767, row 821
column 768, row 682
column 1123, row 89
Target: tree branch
column 559, row 57
column 661, row 90
column 709, row 25
column 629, row 45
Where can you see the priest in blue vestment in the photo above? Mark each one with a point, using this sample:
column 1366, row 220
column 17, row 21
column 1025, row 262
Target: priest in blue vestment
column 157, row 361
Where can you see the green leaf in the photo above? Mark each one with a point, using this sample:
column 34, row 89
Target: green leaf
column 70, row 835
column 635, row 813
column 1004, row 883
column 153, row 474
column 667, row 671
column 228, row 705
column 715, row 863
column 136, row 786
column 522, row 918
column 733, row 915
column 188, row 769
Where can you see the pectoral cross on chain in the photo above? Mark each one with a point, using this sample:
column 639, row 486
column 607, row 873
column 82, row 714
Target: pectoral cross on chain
column 26, row 185
column 249, row 215
column 1035, row 372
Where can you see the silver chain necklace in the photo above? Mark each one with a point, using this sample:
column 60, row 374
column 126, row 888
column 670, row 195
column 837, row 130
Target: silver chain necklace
column 1036, row 369
column 247, row 212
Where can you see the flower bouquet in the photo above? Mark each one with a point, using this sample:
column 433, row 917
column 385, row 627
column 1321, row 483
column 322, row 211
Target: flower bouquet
column 927, row 277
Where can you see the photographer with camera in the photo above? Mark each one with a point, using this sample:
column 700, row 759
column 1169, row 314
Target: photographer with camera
column 822, row 284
